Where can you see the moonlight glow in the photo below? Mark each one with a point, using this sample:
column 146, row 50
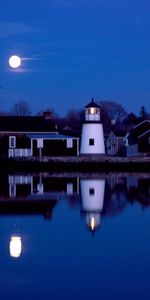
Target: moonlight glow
column 15, row 246
column 14, row 61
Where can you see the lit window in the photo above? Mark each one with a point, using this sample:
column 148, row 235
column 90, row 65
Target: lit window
column 92, row 110
column 12, row 142
column 91, row 142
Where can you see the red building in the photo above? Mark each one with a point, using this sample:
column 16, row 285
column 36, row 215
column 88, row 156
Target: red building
column 34, row 136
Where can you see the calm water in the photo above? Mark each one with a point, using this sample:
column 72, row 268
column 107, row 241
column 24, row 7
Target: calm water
column 74, row 237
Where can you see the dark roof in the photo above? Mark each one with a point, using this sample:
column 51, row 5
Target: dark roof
column 70, row 132
column 145, row 134
column 51, row 136
column 146, row 121
column 120, row 132
column 26, row 124
column 92, row 104
column 140, row 129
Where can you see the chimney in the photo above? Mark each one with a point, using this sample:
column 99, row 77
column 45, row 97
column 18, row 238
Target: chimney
column 113, row 122
column 47, row 115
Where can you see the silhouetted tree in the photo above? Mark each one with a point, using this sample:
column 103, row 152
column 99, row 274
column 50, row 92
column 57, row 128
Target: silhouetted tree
column 131, row 119
column 105, row 119
column 74, row 119
column 21, row 108
column 114, row 110
column 143, row 113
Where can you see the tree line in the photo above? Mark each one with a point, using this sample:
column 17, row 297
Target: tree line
column 113, row 115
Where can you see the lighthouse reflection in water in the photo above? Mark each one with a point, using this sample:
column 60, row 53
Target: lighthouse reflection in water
column 92, row 195
column 47, row 250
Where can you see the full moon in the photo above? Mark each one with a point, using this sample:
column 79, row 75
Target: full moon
column 14, row 61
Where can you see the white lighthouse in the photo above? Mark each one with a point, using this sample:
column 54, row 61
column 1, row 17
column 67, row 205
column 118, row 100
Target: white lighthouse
column 92, row 138
column 92, row 194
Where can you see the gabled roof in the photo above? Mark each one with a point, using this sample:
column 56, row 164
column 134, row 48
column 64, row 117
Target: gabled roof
column 140, row 128
column 92, row 104
column 26, row 124
column 141, row 123
column 144, row 134
column 120, row 132
column 117, row 133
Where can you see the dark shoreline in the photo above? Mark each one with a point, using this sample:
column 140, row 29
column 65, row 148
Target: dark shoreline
column 77, row 164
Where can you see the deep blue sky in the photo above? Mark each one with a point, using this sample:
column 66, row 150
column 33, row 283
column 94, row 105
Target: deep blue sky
column 75, row 50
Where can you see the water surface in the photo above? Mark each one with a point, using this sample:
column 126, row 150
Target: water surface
column 74, row 236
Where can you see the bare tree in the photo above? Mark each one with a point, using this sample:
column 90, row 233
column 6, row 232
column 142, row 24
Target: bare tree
column 114, row 110
column 21, row 108
column 74, row 119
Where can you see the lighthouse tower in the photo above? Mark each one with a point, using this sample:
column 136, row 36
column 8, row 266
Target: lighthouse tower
column 92, row 138
column 92, row 195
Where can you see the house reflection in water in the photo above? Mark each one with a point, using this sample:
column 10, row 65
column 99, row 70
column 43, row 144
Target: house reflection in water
column 96, row 196
column 45, row 186
column 92, row 195
column 32, row 195
column 19, row 196
column 35, row 194
column 38, row 193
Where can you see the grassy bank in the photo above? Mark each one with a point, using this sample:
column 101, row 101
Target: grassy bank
column 83, row 164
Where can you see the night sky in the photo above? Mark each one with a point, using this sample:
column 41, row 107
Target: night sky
column 74, row 50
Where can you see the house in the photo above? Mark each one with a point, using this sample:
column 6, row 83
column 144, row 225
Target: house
column 137, row 140
column 114, row 141
column 34, row 136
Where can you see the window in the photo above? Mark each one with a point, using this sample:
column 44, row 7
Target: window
column 92, row 110
column 113, row 141
column 91, row 142
column 24, row 152
column 69, row 143
column 39, row 143
column 91, row 191
column 10, row 153
column 12, row 142
column 69, row 188
column 12, row 190
column 17, row 152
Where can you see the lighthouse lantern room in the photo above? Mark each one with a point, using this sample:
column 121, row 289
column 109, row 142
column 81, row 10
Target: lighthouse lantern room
column 92, row 112
column 92, row 138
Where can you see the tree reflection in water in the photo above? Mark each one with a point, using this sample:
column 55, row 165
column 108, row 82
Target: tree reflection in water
column 95, row 195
